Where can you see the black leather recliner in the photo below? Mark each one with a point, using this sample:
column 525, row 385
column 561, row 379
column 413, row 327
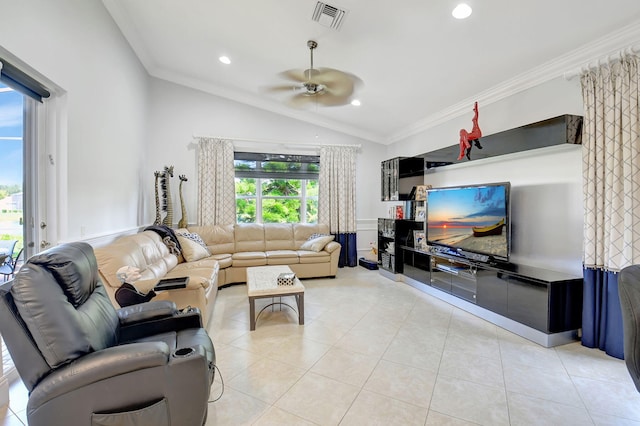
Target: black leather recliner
column 84, row 363
column 629, row 293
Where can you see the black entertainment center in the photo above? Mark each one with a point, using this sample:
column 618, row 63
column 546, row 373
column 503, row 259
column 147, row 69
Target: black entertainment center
column 466, row 261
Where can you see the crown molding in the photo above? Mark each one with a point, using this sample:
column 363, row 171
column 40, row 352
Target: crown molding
column 568, row 66
column 258, row 102
column 564, row 66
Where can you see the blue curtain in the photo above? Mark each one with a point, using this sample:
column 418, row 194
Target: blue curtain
column 601, row 314
column 348, row 254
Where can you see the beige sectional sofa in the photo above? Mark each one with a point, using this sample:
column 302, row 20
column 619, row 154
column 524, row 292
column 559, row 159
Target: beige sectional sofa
column 237, row 247
column 232, row 249
column 147, row 252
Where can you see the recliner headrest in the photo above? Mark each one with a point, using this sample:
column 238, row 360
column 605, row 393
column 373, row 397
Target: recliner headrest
column 63, row 303
column 74, row 267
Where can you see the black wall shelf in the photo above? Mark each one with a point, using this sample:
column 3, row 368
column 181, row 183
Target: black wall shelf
column 561, row 130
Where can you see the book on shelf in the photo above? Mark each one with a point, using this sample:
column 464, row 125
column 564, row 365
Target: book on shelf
column 399, row 212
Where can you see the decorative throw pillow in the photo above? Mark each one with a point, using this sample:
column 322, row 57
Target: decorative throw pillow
column 193, row 237
column 314, row 236
column 316, row 244
column 192, row 250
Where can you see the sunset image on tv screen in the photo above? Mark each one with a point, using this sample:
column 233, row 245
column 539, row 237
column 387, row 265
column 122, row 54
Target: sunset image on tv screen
column 471, row 218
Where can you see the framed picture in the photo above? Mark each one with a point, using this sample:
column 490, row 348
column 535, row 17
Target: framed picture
column 419, row 240
column 421, row 213
column 421, row 192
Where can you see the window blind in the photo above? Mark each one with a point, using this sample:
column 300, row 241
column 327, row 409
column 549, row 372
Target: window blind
column 18, row 80
column 276, row 166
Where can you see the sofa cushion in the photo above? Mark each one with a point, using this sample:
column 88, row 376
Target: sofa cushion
column 224, row 260
column 202, row 273
column 316, row 244
column 249, row 237
column 278, row 236
column 249, row 258
column 144, row 250
column 282, row 257
column 191, row 249
column 218, row 238
column 306, row 256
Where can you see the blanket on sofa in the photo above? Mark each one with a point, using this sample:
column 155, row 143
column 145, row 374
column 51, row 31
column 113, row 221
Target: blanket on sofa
column 168, row 237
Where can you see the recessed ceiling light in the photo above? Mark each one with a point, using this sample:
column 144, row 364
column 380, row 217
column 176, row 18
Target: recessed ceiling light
column 225, row 60
column 462, row 11
column 355, row 102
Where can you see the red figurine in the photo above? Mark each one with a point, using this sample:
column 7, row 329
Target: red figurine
column 469, row 138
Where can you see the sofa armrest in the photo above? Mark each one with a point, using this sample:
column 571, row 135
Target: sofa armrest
column 146, row 311
column 145, row 286
column 101, row 365
column 332, row 246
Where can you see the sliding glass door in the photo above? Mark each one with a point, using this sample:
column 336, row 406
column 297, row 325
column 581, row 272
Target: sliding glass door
column 12, row 115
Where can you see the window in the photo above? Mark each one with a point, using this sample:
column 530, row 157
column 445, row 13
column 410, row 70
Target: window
column 276, row 188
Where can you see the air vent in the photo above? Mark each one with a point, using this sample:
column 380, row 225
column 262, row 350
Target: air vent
column 329, row 16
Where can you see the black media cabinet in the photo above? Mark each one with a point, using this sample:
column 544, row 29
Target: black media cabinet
column 541, row 305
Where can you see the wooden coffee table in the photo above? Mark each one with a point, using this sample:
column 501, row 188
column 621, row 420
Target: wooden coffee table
column 262, row 282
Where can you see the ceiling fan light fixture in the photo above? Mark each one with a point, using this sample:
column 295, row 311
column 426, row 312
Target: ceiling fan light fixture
column 319, row 86
column 462, row 11
column 225, row 60
column 356, row 102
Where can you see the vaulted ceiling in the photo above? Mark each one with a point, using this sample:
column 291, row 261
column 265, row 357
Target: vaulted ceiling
column 416, row 61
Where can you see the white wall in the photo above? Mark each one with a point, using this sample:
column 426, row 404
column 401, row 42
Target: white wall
column 123, row 125
column 547, row 211
column 177, row 113
column 76, row 45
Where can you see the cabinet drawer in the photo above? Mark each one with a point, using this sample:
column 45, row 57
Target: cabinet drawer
column 528, row 302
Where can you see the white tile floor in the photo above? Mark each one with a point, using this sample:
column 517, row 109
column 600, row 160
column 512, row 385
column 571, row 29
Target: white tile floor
column 373, row 351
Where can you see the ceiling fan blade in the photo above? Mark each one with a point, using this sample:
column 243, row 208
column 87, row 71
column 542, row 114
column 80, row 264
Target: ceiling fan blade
column 294, row 75
column 328, row 76
column 292, row 88
column 338, row 83
column 301, row 76
column 320, row 86
column 328, row 99
column 301, row 100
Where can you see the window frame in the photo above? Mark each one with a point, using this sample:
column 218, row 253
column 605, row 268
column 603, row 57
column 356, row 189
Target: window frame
column 261, row 174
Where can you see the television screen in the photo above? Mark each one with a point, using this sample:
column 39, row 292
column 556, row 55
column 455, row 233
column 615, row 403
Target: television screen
column 470, row 220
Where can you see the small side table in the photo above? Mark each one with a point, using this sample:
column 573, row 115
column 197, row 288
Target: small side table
column 262, row 282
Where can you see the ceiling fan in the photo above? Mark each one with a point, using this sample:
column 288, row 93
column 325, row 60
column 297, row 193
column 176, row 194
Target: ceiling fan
column 320, row 86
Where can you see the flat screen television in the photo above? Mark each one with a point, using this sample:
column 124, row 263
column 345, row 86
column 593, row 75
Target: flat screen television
column 471, row 221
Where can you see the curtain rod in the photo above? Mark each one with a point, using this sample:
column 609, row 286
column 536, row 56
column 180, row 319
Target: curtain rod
column 276, row 142
column 570, row 75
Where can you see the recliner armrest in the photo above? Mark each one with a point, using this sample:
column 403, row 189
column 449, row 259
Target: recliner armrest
column 101, row 365
column 179, row 320
column 146, row 311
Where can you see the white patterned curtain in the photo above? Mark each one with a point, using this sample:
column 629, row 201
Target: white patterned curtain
column 611, row 165
column 337, row 197
column 611, row 186
column 216, row 182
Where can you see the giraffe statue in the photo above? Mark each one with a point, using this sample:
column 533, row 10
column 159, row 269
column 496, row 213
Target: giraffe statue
column 158, row 220
column 183, row 221
column 167, row 205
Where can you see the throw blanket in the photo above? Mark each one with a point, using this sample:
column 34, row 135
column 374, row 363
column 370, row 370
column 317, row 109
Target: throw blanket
column 168, row 237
